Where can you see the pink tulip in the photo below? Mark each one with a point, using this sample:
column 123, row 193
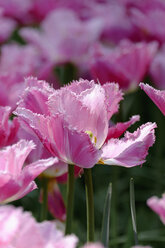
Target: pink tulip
column 157, row 96
column 158, row 206
column 7, row 27
column 17, row 9
column 150, row 20
column 73, row 124
column 15, row 180
column 63, row 36
column 20, row 229
column 157, row 69
column 109, row 64
column 56, row 203
column 23, row 61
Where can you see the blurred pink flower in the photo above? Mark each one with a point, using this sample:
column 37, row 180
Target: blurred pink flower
column 15, row 180
column 157, row 96
column 63, row 36
column 158, row 206
column 56, row 203
column 7, row 27
column 17, row 9
column 23, row 61
column 149, row 18
column 8, row 128
column 117, row 24
column 157, row 69
column 126, row 64
column 20, row 229
column 73, row 124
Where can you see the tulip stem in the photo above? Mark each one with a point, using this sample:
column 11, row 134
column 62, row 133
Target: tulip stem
column 89, row 204
column 133, row 211
column 70, row 200
column 44, row 206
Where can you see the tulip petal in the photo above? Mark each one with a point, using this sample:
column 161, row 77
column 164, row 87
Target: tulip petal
column 157, row 96
column 13, row 157
column 85, row 112
column 70, row 145
column 130, row 150
column 158, row 206
column 117, row 130
column 113, row 97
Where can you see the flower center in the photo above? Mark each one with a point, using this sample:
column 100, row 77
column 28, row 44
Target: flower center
column 92, row 137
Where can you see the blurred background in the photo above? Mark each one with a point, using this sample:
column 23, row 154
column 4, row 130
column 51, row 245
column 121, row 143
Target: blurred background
column 119, row 41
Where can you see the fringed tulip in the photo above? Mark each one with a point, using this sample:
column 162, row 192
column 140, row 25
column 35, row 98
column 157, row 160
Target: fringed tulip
column 23, row 61
column 157, row 69
column 20, row 229
column 17, row 9
column 15, row 180
column 7, row 27
column 157, row 96
column 74, row 126
column 109, row 64
column 63, row 36
column 150, row 20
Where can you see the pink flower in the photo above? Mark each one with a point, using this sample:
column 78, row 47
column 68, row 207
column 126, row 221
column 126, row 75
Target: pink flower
column 150, row 20
column 73, row 124
column 157, row 69
column 23, row 61
column 114, row 64
column 20, row 229
column 56, row 203
column 15, row 180
column 8, row 128
column 7, row 27
column 158, row 206
column 63, row 37
column 157, row 96
column 17, row 9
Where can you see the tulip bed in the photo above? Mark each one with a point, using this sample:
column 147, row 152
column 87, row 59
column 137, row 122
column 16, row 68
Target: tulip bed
column 82, row 105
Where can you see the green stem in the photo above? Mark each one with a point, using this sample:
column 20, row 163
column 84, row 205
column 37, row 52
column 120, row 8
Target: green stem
column 89, row 204
column 133, row 211
column 70, row 199
column 44, row 206
column 114, row 208
column 106, row 217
